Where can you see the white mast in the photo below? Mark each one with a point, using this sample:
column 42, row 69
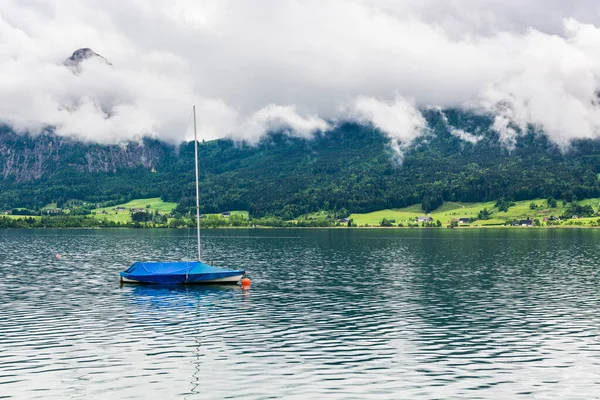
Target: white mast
column 197, row 188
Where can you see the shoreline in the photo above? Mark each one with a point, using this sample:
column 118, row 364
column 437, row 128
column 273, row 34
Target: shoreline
column 313, row 227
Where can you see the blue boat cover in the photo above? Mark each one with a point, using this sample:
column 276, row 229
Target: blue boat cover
column 176, row 272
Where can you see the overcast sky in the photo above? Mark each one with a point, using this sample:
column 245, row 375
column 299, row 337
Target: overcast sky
column 251, row 66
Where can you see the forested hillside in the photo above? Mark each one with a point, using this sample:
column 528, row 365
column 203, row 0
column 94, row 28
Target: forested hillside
column 351, row 169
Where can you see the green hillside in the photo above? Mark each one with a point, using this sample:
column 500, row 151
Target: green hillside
column 520, row 211
column 122, row 212
column 349, row 170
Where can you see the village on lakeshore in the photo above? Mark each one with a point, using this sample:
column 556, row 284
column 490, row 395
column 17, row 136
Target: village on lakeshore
column 155, row 213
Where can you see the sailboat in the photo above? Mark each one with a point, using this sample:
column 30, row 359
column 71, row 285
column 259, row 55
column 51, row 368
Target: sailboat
column 182, row 272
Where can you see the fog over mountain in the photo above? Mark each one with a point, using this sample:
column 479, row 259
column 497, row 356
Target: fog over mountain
column 266, row 65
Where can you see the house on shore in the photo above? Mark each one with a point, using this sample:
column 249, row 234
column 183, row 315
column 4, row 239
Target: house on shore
column 424, row 219
column 526, row 222
column 464, row 221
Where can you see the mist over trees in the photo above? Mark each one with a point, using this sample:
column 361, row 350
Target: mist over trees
column 350, row 169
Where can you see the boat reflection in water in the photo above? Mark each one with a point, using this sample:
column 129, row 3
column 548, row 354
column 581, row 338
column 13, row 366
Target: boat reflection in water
column 179, row 326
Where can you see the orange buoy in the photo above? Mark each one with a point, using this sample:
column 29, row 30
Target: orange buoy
column 245, row 283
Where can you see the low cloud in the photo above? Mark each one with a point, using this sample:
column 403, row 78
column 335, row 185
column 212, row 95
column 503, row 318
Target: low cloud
column 398, row 118
column 107, row 104
column 554, row 87
column 285, row 65
column 459, row 133
column 276, row 118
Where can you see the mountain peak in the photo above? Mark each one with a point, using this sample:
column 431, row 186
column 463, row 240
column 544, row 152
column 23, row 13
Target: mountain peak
column 81, row 55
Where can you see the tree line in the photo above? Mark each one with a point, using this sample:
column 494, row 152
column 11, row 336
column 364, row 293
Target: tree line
column 351, row 169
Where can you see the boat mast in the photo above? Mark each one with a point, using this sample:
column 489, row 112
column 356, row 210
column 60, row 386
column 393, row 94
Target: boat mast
column 197, row 188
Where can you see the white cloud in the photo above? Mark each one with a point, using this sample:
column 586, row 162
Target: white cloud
column 284, row 64
column 275, row 118
column 459, row 133
column 399, row 118
column 466, row 136
column 553, row 87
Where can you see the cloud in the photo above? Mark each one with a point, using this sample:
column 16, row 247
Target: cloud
column 554, row 87
column 283, row 64
column 275, row 118
column 398, row 118
column 460, row 133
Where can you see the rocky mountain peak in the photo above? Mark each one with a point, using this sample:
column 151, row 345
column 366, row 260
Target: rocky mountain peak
column 80, row 55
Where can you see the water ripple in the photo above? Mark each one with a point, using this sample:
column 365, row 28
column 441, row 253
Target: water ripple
column 331, row 313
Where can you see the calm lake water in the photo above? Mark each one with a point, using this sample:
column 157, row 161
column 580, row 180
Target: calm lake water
column 331, row 313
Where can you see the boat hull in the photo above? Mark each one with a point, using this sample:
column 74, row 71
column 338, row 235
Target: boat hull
column 179, row 272
column 225, row 280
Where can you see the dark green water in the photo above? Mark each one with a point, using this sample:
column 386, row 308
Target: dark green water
column 331, row 313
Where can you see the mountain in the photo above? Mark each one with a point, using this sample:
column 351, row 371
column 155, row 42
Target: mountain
column 350, row 168
column 80, row 55
column 25, row 158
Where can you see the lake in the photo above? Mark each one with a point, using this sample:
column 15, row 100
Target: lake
column 336, row 313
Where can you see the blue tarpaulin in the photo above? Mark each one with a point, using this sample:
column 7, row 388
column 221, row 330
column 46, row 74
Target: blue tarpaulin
column 177, row 272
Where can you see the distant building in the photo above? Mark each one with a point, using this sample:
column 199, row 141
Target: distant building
column 121, row 209
column 464, row 220
column 136, row 210
column 526, row 222
column 226, row 214
column 424, row 219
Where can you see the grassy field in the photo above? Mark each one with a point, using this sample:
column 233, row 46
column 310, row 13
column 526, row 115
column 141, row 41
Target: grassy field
column 156, row 204
column 123, row 216
column 21, row 216
column 450, row 210
column 374, row 218
column 49, row 206
column 242, row 213
column 114, row 216
column 445, row 213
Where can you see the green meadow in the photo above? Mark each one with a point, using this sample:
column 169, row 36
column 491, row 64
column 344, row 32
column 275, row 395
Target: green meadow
column 156, row 204
column 452, row 210
column 402, row 216
column 242, row 213
column 123, row 216
column 21, row 216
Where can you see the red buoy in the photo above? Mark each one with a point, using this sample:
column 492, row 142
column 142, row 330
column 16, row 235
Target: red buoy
column 58, row 256
column 245, row 283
